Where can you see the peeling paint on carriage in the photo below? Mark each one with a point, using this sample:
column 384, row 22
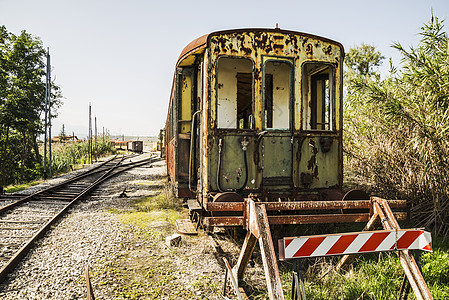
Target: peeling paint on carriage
column 274, row 141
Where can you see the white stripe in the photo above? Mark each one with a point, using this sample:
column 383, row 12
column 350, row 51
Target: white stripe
column 416, row 243
column 423, row 240
column 358, row 242
column 388, row 242
column 325, row 245
column 294, row 246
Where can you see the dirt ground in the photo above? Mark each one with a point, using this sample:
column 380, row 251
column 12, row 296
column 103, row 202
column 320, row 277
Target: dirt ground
column 120, row 234
column 144, row 267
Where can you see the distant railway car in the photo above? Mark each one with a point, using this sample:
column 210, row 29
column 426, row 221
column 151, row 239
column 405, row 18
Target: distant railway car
column 121, row 145
column 256, row 112
column 135, row 146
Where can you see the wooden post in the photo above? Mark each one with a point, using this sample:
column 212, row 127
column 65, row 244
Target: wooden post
column 259, row 230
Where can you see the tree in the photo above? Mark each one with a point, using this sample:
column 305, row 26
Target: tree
column 363, row 59
column 22, row 97
column 62, row 133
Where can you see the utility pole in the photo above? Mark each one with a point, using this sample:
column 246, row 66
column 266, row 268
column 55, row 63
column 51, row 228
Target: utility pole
column 90, row 134
column 46, row 117
column 47, row 122
column 96, row 158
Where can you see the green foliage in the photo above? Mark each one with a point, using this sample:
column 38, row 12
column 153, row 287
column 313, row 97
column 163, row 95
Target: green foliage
column 397, row 128
column 21, row 187
column 66, row 156
column 374, row 276
column 22, row 98
column 149, row 212
column 362, row 59
column 436, row 267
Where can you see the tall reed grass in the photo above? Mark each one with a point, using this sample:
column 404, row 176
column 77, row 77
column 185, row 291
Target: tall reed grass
column 66, row 156
column 397, row 130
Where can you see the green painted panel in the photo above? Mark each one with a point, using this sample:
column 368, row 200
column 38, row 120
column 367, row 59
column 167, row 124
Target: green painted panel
column 277, row 156
column 232, row 164
column 323, row 166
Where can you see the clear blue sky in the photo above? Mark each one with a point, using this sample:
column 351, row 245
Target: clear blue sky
column 120, row 55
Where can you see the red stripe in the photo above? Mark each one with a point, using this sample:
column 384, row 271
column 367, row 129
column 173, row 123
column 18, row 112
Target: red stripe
column 342, row 244
column 287, row 242
column 428, row 248
column 408, row 238
column 309, row 246
column 374, row 241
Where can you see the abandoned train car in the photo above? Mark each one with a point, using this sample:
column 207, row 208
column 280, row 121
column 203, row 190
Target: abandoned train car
column 135, row 146
column 257, row 112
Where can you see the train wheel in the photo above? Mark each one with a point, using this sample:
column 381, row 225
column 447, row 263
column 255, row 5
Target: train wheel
column 227, row 197
column 354, row 195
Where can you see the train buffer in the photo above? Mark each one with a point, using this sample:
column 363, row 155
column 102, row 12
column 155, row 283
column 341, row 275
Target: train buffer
column 391, row 238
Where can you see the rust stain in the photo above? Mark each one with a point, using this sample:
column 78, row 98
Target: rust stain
column 304, row 205
column 312, row 161
column 327, row 50
column 260, row 46
column 309, row 50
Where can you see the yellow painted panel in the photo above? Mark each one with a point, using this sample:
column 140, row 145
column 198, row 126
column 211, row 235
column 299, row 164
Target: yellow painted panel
column 257, row 45
column 186, row 98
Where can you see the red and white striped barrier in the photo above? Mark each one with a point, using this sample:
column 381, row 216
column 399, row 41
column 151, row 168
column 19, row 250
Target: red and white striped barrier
column 353, row 243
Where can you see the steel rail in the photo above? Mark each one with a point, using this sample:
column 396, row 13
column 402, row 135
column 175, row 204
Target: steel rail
column 17, row 257
column 89, row 172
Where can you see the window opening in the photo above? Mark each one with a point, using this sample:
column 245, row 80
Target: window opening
column 244, row 98
column 277, row 95
column 234, row 93
column 318, row 95
column 268, row 101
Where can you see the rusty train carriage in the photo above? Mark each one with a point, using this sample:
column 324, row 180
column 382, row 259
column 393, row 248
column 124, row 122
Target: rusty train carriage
column 258, row 112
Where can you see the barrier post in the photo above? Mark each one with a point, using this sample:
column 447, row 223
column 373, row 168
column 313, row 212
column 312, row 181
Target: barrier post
column 393, row 238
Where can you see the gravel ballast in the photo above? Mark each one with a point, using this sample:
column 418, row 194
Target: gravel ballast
column 88, row 234
column 124, row 262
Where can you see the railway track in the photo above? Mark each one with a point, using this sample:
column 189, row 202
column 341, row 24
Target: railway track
column 25, row 219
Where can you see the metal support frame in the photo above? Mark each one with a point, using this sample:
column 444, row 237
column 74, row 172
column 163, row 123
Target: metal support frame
column 298, row 290
column 408, row 262
column 90, row 291
column 256, row 223
column 314, row 212
column 232, row 279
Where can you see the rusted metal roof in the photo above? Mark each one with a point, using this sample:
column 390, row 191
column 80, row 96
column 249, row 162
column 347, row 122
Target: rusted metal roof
column 204, row 40
column 194, row 45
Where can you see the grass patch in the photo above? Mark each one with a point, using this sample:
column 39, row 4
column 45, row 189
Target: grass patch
column 162, row 201
column 144, row 219
column 21, row 187
column 154, row 215
column 375, row 276
column 205, row 283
